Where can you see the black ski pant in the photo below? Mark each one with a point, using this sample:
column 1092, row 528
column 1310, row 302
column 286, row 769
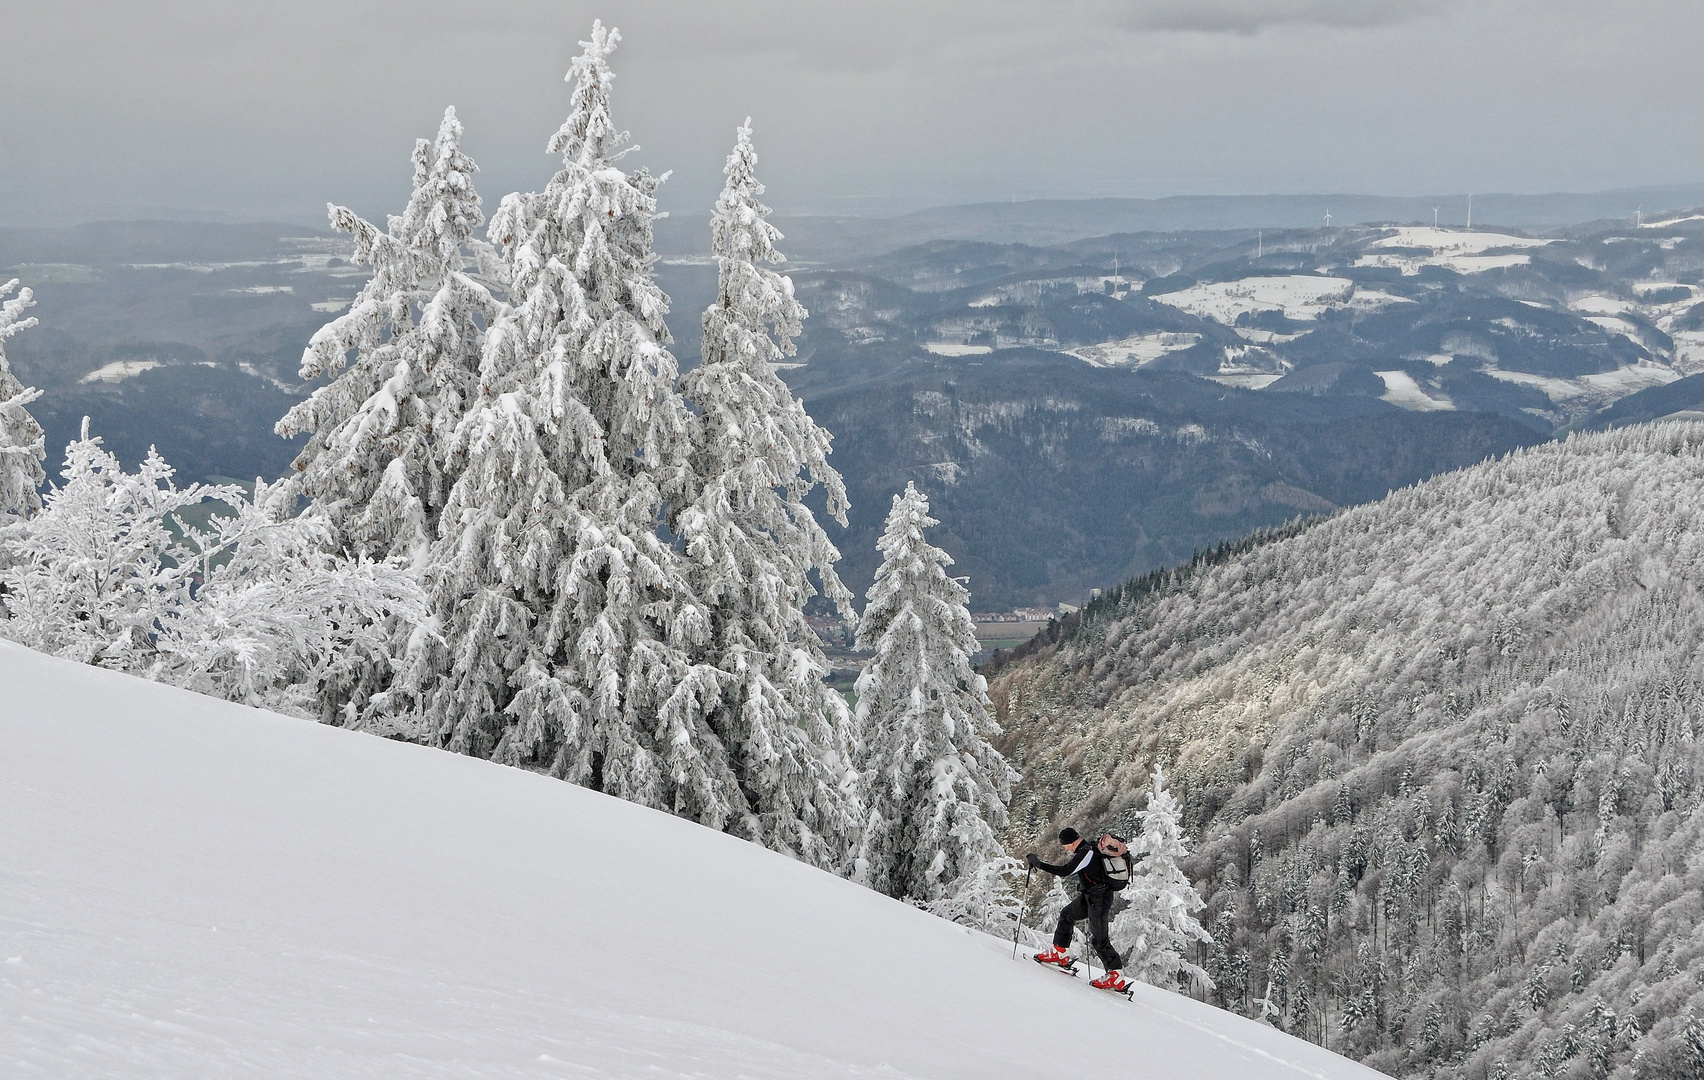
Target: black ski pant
column 1098, row 911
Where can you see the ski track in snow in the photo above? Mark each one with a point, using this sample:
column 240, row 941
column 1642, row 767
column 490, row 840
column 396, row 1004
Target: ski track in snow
column 190, row 888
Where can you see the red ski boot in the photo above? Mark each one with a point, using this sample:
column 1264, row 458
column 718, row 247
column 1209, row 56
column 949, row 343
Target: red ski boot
column 1055, row 955
column 1112, row 980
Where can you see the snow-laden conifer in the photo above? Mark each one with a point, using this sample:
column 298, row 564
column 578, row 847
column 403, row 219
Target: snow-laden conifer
column 935, row 789
column 752, row 543
column 563, row 620
column 1158, row 924
column 377, row 464
column 21, row 447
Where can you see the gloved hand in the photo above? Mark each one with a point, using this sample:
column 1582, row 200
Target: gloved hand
column 1032, row 859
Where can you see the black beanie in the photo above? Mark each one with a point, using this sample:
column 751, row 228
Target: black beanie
column 1068, row 835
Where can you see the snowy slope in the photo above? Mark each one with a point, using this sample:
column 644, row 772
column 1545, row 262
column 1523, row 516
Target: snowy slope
column 190, row 888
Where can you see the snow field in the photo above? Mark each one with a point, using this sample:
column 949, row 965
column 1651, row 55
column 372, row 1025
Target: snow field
column 954, row 348
column 1134, row 351
column 1258, row 381
column 1463, row 252
column 191, row 888
column 1402, row 390
column 1602, row 305
column 1630, row 378
column 119, row 370
column 1298, row 296
column 1461, row 264
column 1456, row 242
column 1670, row 221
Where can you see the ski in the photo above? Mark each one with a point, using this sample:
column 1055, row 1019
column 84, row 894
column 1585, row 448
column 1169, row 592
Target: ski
column 1070, row 970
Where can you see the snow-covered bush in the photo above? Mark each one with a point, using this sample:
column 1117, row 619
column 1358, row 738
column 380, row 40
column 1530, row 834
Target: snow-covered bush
column 280, row 621
column 934, row 788
column 989, row 898
column 92, row 576
column 253, row 608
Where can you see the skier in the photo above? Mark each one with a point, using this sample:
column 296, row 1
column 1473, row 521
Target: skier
column 1094, row 903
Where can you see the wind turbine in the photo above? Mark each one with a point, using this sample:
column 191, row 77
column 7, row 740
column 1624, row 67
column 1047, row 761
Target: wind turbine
column 1470, row 210
column 1259, row 244
column 1639, row 216
column 1328, row 218
column 1434, row 217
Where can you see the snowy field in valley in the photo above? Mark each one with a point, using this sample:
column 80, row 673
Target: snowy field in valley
column 954, row 348
column 1134, row 351
column 190, row 888
column 1463, row 252
column 1401, row 389
column 1298, row 296
column 1456, row 241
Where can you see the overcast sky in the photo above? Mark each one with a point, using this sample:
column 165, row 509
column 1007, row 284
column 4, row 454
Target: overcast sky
column 123, row 108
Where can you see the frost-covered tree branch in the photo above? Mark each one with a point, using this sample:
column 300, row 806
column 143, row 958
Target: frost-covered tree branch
column 21, row 441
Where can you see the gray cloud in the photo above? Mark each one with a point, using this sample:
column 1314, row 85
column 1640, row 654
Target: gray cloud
column 111, row 109
column 1252, row 16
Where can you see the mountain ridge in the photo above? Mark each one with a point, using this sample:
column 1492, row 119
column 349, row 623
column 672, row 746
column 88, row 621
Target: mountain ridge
column 1439, row 754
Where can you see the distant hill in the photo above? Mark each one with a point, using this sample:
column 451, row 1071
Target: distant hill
column 1683, row 395
column 1092, row 217
column 829, row 238
column 1052, row 477
column 1439, row 755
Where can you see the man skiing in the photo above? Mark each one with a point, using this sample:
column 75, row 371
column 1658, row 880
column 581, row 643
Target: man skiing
column 1094, row 902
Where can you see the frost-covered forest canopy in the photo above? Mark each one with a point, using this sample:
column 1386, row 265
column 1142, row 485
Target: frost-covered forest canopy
column 1439, row 755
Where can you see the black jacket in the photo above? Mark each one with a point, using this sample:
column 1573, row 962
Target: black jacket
column 1087, row 864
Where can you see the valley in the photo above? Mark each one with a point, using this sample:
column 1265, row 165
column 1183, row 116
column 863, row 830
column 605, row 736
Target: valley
column 1080, row 412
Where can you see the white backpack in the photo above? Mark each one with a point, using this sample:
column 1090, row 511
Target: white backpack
column 1115, row 859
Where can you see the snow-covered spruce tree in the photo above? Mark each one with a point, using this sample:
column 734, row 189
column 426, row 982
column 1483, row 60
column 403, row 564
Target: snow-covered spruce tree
column 934, row 789
column 21, row 447
column 563, row 622
column 377, row 464
column 1159, row 923
column 752, row 543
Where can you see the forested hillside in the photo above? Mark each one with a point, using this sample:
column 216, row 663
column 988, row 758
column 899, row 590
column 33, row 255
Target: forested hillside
column 1438, row 757
column 1052, row 477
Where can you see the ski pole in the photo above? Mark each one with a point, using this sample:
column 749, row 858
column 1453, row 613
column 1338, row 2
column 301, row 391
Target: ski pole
column 1025, row 904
